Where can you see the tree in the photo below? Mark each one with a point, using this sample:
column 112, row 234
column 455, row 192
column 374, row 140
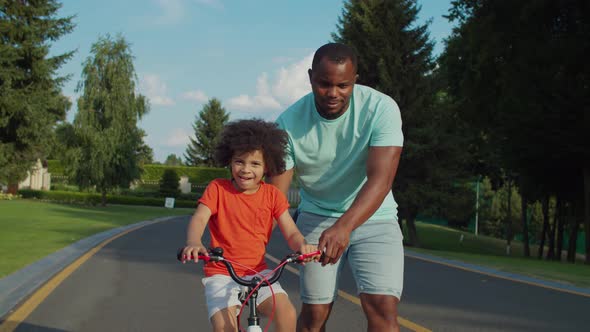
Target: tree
column 169, row 183
column 173, row 160
column 395, row 57
column 519, row 74
column 145, row 153
column 31, row 102
column 108, row 142
column 208, row 125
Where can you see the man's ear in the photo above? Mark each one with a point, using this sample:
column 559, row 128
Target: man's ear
column 309, row 73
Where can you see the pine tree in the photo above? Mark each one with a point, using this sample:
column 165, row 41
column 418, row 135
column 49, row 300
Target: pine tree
column 31, row 102
column 208, row 125
column 108, row 141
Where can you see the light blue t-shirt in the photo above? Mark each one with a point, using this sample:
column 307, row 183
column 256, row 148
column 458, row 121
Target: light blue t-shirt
column 330, row 156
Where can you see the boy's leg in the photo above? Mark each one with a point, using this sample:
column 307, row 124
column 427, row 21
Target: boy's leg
column 285, row 316
column 221, row 294
column 377, row 262
column 225, row 320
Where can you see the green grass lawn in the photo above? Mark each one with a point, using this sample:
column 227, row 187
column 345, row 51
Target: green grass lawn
column 491, row 252
column 31, row 230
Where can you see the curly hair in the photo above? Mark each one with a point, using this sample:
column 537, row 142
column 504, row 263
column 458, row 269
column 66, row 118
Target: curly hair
column 244, row 136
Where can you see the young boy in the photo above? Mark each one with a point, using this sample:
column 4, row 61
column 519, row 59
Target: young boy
column 240, row 215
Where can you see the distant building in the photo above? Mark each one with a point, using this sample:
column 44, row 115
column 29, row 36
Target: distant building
column 38, row 178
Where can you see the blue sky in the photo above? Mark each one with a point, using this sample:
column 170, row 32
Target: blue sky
column 253, row 55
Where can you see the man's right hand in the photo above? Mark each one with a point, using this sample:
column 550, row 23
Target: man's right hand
column 333, row 242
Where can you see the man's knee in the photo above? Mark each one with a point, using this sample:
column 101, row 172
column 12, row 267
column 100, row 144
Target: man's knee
column 379, row 302
column 381, row 308
column 314, row 315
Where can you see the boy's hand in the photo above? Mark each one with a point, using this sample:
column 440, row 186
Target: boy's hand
column 308, row 248
column 192, row 252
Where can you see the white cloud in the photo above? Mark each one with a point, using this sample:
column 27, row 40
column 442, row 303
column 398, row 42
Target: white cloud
column 263, row 100
column 197, row 95
column 291, row 83
column 282, row 59
column 253, row 104
column 155, row 90
column 178, row 137
column 175, row 11
column 171, row 11
column 211, row 3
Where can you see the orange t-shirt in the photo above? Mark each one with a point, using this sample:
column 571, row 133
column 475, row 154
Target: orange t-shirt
column 241, row 224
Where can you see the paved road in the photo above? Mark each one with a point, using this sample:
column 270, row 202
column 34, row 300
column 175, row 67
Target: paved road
column 135, row 284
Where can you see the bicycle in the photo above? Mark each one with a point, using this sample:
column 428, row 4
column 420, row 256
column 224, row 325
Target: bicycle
column 249, row 296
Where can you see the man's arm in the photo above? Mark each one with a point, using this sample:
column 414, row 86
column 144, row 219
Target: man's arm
column 382, row 166
column 282, row 181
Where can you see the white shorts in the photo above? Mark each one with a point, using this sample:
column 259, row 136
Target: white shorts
column 222, row 292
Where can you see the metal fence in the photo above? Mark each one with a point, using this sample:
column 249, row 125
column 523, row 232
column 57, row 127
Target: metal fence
column 293, row 196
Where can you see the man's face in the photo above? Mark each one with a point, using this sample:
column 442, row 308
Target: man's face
column 332, row 84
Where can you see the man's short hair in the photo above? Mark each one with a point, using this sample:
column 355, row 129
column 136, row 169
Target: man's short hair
column 335, row 52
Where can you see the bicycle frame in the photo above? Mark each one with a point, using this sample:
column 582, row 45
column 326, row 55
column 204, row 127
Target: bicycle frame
column 216, row 255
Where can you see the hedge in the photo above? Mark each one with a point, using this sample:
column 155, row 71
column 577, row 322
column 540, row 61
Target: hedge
column 154, row 172
column 196, row 175
column 96, row 199
column 55, row 167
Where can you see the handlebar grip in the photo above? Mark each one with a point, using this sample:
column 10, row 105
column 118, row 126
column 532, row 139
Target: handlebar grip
column 180, row 257
column 302, row 257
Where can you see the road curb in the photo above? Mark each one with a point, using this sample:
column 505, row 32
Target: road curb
column 17, row 286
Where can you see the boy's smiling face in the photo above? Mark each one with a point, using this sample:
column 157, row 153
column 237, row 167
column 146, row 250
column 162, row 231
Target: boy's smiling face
column 247, row 170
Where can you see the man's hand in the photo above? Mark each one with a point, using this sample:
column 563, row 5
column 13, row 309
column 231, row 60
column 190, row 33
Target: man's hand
column 333, row 241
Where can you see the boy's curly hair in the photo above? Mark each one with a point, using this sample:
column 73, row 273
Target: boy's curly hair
column 254, row 134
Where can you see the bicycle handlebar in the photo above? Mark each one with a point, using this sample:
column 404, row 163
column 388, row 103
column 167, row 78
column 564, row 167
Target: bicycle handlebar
column 216, row 255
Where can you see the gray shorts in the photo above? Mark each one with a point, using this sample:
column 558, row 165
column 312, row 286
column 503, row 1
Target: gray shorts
column 375, row 255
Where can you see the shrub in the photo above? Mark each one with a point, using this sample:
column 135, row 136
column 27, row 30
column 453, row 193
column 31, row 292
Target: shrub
column 64, row 187
column 153, row 172
column 169, row 184
column 8, row 197
column 69, row 197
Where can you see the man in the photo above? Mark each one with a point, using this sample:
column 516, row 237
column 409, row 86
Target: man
column 345, row 142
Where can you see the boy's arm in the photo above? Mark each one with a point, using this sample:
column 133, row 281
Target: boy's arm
column 291, row 233
column 194, row 232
